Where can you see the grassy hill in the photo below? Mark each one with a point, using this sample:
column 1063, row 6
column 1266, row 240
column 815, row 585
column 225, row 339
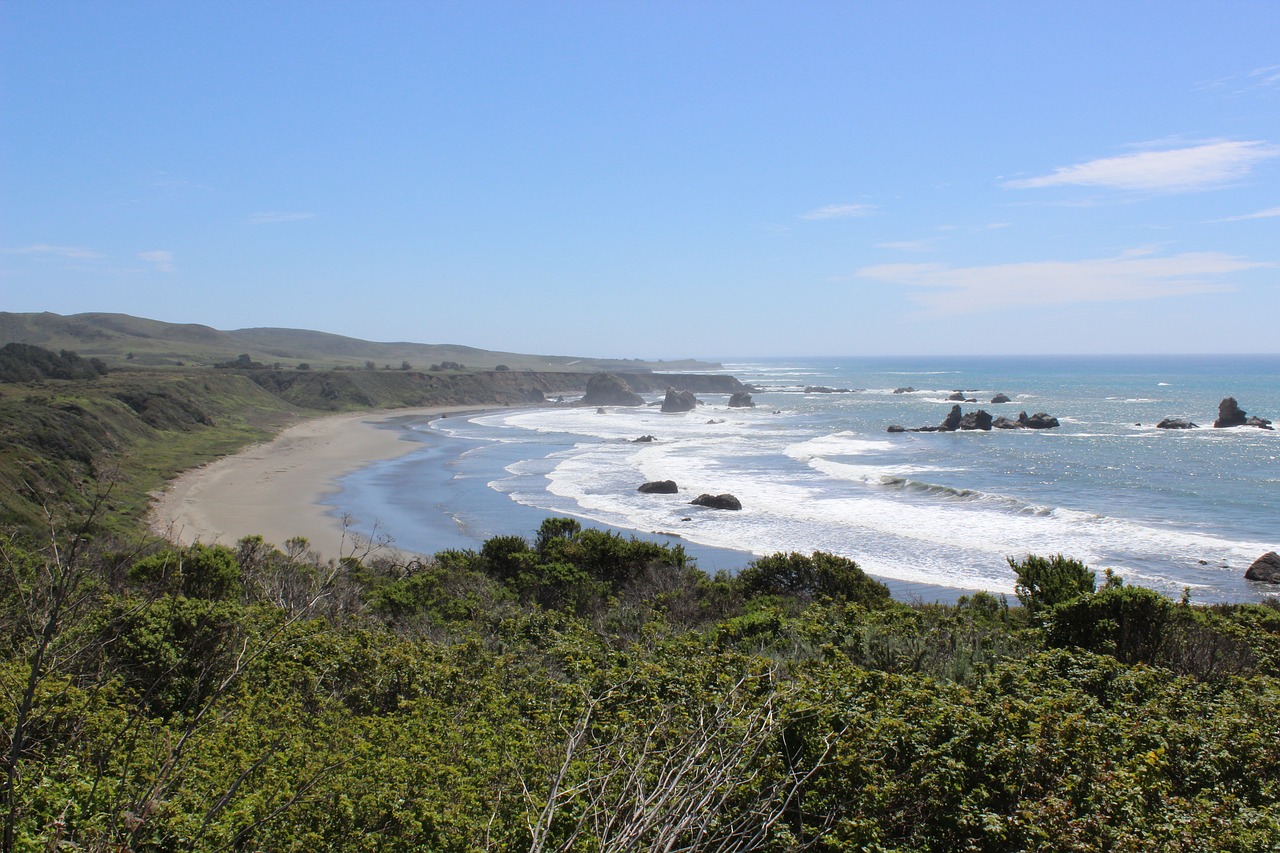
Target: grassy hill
column 121, row 339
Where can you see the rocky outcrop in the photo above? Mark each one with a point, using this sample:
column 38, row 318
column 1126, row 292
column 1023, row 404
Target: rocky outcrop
column 1001, row 398
column 659, row 487
column 1040, row 420
column 679, row 401
column 982, row 420
column 741, row 400
column 1230, row 414
column 725, row 501
column 606, row 389
column 907, row 390
column 643, row 439
column 952, row 421
column 1176, row 423
column 1265, row 568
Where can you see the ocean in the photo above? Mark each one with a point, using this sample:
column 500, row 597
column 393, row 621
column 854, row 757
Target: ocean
column 935, row 515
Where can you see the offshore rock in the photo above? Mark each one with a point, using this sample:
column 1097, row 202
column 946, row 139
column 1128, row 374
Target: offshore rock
column 741, row 400
column 1006, row 423
column 976, row 420
column 1265, row 568
column 725, row 501
column 952, row 421
column 1230, row 414
column 907, row 390
column 679, row 401
column 1001, row 398
column 1040, row 420
column 1260, row 423
column 643, row 438
column 606, row 389
column 1176, row 423
column 659, row 487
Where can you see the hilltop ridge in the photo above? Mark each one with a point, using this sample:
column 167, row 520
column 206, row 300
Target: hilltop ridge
column 141, row 342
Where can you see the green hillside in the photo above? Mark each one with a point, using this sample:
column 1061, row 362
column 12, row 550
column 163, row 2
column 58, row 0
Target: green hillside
column 123, row 339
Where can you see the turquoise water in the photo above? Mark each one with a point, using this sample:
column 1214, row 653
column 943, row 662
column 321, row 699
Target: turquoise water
column 932, row 512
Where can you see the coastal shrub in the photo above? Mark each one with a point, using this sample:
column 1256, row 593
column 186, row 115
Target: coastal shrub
column 819, row 575
column 30, row 363
column 556, row 528
column 1128, row 622
column 198, row 571
column 507, row 557
column 1043, row 582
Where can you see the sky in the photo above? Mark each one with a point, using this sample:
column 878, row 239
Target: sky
column 653, row 179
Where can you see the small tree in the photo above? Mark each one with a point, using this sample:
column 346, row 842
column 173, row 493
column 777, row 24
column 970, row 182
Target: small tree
column 820, row 575
column 1045, row 582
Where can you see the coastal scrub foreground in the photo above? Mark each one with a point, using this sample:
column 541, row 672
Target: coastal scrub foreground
column 584, row 691
column 568, row 689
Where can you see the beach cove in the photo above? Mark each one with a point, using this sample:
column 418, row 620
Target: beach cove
column 284, row 488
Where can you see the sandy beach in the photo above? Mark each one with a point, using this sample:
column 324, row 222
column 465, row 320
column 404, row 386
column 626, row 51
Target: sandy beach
column 281, row 488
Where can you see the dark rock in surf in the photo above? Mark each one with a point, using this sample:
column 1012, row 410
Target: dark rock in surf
column 1260, row 423
column 1230, row 414
column 659, row 487
column 896, row 428
column 1006, row 423
column 976, row 420
column 606, row 389
column 643, row 438
column 1040, row 420
column 679, row 401
column 1265, row 568
column 907, row 390
column 1000, row 398
column 952, row 421
column 725, row 501
column 741, row 400
column 1176, row 423
column 956, row 395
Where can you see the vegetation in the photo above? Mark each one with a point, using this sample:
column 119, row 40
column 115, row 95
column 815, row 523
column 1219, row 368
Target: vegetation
column 584, row 691
column 118, row 339
column 573, row 690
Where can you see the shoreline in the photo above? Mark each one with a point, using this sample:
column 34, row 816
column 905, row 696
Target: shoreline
column 285, row 488
column 282, row 488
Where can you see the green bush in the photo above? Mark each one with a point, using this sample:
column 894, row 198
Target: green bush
column 819, row 575
column 1044, row 582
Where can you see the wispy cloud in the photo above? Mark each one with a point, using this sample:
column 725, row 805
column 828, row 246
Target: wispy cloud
column 271, row 217
column 1134, row 275
column 1261, row 214
column 58, row 251
column 1268, row 75
column 1196, row 167
column 928, row 244
column 161, row 259
column 840, row 211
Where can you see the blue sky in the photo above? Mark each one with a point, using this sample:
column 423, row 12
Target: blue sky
column 653, row 179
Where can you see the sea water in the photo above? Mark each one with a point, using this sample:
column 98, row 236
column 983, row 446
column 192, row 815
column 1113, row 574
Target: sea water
column 932, row 513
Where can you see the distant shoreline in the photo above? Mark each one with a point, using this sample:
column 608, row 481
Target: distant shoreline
column 282, row 488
